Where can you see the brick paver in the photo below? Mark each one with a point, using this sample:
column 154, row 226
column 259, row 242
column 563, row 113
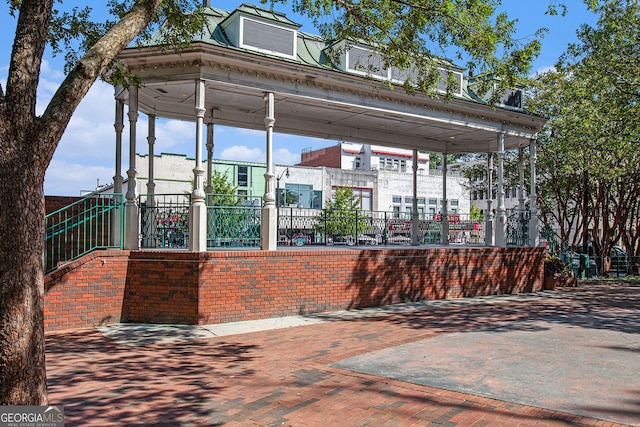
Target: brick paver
column 284, row 378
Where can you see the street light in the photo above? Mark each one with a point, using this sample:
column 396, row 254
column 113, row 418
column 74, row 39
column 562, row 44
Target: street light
column 286, row 171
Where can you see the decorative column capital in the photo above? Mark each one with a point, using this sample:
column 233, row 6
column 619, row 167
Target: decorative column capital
column 269, row 122
column 200, row 111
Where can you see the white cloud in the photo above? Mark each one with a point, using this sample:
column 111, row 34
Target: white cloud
column 242, row 153
column 174, row 136
column 71, row 179
column 90, row 132
column 283, row 156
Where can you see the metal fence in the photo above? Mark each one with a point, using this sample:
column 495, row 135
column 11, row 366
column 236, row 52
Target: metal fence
column 233, row 221
column 298, row 226
column 164, row 220
column 88, row 224
column 518, row 229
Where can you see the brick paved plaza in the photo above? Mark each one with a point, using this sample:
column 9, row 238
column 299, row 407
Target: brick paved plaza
column 368, row 368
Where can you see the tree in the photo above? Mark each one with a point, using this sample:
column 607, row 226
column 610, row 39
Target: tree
column 223, row 192
column 27, row 144
column 408, row 34
column 588, row 160
column 342, row 216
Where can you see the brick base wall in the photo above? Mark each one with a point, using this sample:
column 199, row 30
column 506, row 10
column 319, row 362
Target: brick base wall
column 218, row 287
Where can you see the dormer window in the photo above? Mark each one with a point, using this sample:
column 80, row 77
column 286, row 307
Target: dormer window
column 267, row 37
column 399, row 76
column 261, row 30
column 361, row 60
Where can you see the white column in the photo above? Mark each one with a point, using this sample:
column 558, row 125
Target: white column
column 415, row 219
column 501, row 211
column 148, row 212
column 119, row 126
column 489, row 237
column 534, row 233
column 198, row 208
column 131, row 224
column 521, row 198
column 444, row 238
column 117, row 178
column 151, row 140
column 269, row 226
column 209, row 161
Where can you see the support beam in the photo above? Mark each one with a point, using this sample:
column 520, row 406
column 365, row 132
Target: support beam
column 198, row 207
column 489, row 235
column 209, row 162
column 501, row 211
column 521, row 193
column 444, row 237
column 119, row 127
column 534, row 230
column 415, row 218
column 131, row 221
column 151, row 140
column 147, row 210
column 117, row 178
column 269, row 226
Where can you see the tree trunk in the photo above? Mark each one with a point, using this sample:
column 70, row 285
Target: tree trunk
column 22, row 358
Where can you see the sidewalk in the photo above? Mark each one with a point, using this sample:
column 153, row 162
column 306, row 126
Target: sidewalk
column 565, row 358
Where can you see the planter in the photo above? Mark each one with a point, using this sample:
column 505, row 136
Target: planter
column 550, row 283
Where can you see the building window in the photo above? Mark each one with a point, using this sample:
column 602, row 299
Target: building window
column 357, row 163
column 243, row 176
column 397, row 199
column 301, row 196
column 454, row 203
column 433, row 202
column 366, row 199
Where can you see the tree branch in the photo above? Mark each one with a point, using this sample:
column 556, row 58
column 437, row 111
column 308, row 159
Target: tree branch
column 26, row 58
column 84, row 74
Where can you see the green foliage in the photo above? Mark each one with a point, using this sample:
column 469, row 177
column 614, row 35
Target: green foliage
column 223, row 191
column 342, row 216
column 73, row 32
column 589, row 147
column 475, row 213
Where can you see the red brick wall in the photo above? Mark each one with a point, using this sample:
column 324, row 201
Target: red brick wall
column 330, row 157
column 86, row 292
column 162, row 287
column 217, row 287
column 54, row 203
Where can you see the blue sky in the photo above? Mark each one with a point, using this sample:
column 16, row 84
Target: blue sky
column 85, row 156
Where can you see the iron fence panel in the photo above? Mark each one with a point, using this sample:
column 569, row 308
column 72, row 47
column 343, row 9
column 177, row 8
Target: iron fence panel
column 164, row 221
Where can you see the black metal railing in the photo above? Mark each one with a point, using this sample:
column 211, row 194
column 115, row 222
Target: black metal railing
column 164, row 221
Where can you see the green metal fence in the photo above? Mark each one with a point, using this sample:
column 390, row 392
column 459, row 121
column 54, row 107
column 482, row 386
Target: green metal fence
column 91, row 223
column 233, row 221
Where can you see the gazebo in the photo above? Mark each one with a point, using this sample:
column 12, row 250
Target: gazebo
column 254, row 68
